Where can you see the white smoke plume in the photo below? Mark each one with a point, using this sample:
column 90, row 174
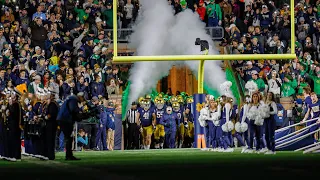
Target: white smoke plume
column 149, row 38
column 183, row 34
column 159, row 32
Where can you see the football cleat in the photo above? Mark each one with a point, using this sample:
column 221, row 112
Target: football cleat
column 44, row 158
column 244, row 150
column 220, row 149
column 229, row 150
column 249, row 151
column 263, row 150
column 270, row 152
column 180, row 144
column 25, row 154
column 12, row 159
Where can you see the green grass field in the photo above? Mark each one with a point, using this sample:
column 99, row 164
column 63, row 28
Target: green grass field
column 167, row 164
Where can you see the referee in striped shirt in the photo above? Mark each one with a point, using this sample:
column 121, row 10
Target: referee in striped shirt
column 133, row 131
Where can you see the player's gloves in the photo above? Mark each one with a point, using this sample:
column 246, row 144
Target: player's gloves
column 154, row 126
column 141, row 129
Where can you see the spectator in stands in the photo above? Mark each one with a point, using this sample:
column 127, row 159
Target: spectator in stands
column 3, row 81
column 274, row 84
column 226, row 8
column 34, row 86
column 201, row 10
column 82, row 139
column 247, row 71
column 214, row 14
column 108, row 16
column 288, row 86
column 257, row 80
column 97, row 87
column 128, row 14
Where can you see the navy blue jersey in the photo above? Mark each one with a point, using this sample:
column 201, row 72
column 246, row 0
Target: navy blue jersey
column 179, row 114
column 159, row 113
column 314, row 110
column 145, row 117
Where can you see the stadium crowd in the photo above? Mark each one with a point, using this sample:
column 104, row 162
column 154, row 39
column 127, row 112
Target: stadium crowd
column 53, row 49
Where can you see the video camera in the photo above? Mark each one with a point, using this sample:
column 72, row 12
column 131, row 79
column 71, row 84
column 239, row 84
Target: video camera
column 203, row 43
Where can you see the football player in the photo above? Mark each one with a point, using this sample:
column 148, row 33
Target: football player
column 159, row 132
column 147, row 122
column 148, row 98
column 180, row 120
column 187, row 127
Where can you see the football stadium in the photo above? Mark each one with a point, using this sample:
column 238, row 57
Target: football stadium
column 140, row 89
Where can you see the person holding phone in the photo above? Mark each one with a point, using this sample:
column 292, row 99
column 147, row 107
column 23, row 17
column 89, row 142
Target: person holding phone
column 82, row 139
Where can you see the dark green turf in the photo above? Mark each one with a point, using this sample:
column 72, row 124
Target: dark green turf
column 173, row 164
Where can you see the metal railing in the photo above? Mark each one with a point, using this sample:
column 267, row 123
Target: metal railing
column 216, row 33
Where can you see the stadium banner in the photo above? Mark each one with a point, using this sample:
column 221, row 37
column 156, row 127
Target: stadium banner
column 199, row 136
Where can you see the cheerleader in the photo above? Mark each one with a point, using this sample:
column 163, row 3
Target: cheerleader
column 205, row 123
column 254, row 117
column 242, row 126
column 211, row 115
column 210, row 135
column 225, row 121
column 270, row 123
column 214, row 119
column 224, row 133
column 264, row 111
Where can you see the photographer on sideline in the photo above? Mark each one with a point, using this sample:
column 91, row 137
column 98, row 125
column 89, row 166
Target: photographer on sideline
column 69, row 113
column 93, row 120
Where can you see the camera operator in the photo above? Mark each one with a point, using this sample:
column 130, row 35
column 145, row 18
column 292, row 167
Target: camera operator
column 92, row 128
column 69, row 113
